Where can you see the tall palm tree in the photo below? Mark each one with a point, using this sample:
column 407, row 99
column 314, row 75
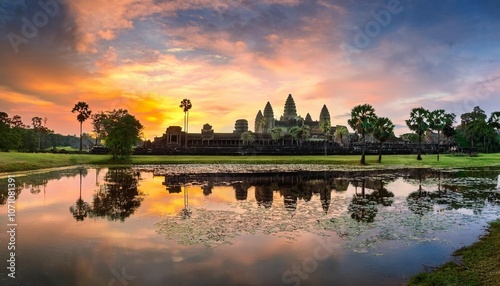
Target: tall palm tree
column 419, row 123
column 83, row 113
column 383, row 130
column 438, row 120
column 362, row 120
column 186, row 106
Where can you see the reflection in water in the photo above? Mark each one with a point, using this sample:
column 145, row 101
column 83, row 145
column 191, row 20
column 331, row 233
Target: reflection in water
column 363, row 207
column 119, row 196
column 241, row 190
column 256, row 226
column 81, row 209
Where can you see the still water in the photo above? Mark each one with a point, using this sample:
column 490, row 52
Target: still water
column 90, row 226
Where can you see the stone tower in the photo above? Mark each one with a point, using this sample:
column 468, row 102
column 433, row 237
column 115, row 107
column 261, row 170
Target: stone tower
column 290, row 111
column 259, row 122
column 308, row 119
column 324, row 116
column 268, row 118
column 240, row 126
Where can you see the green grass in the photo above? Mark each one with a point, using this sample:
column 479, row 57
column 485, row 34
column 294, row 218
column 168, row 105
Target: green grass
column 480, row 265
column 13, row 161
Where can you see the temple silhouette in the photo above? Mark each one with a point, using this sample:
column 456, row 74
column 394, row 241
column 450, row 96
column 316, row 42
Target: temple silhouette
column 265, row 123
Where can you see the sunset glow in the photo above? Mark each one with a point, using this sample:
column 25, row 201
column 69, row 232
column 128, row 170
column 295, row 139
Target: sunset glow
column 230, row 57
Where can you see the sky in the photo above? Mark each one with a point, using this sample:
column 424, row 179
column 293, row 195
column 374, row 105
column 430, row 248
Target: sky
column 230, row 57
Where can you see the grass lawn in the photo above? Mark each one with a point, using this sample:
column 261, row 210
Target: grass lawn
column 480, row 264
column 13, row 161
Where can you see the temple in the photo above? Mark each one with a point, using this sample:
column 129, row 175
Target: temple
column 289, row 129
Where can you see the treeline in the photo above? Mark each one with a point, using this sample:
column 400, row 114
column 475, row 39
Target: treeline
column 16, row 135
column 476, row 130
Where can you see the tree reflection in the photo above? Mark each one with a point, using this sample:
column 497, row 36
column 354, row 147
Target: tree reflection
column 363, row 206
column 118, row 197
column 81, row 209
column 362, row 209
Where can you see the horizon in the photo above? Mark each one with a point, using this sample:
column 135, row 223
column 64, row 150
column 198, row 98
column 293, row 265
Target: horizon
column 230, row 57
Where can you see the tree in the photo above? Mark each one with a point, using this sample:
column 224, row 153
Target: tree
column 296, row 133
column 438, row 121
column 121, row 132
column 418, row 123
column 247, row 137
column 383, row 130
column 494, row 120
column 306, row 132
column 97, row 124
column 474, row 125
column 37, row 126
column 186, row 106
column 362, row 120
column 326, row 127
column 340, row 132
column 83, row 113
column 277, row 134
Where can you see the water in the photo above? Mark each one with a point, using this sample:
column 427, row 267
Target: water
column 90, row 226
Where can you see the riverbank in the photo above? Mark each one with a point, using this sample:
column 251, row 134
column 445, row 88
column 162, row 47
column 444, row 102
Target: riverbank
column 479, row 264
column 19, row 162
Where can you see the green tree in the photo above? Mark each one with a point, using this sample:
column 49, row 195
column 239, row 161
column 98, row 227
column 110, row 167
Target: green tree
column 306, row 132
column 84, row 112
column 474, row 126
column 438, row 121
column 97, row 125
column 186, row 106
column 362, row 120
column 418, row 123
column 121, row 132
column 37, row 127
column 340, row 132
column 5, row 130
column 494, row 120
column 247, row 137
column 296, row 133
column 383, row 131
column 277, row 134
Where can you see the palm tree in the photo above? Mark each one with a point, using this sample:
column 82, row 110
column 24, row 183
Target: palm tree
column 418, row 123
column 296, row 132
column 362, row 120
column 247, row 137
column 83, row 113
column 186, row 106
column 326, row 127
column 277, row 133
column 383, row 130
column 438, row 120
column 340, row 132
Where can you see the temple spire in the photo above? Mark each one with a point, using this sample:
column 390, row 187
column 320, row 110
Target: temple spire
column 290, row 111
column 324, row 116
